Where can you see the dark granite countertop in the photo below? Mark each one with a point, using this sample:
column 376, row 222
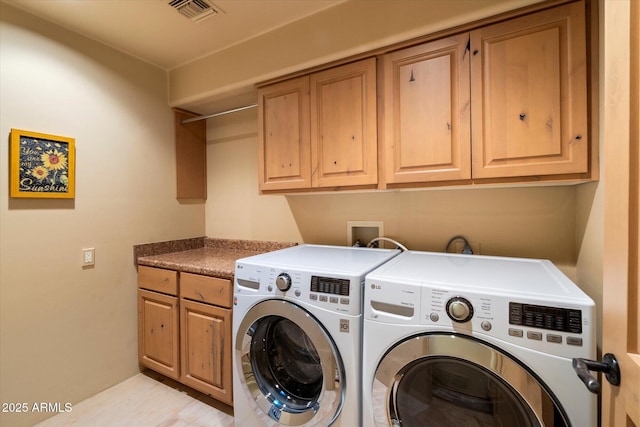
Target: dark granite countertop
column 209, row 257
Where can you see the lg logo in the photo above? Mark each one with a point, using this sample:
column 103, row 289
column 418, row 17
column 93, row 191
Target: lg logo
column 374, row 286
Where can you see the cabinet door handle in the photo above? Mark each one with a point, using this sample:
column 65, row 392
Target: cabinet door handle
column 609, row 366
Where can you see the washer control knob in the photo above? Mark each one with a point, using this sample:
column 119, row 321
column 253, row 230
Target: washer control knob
column 283, row 282
column 486, row 325
column 459, row 309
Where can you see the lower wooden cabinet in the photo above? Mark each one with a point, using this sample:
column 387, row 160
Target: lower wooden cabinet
column 205, row 342
column 158, row 332
column 184, row 329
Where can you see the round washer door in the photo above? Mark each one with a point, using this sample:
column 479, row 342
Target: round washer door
column 288, row 365
column 454, row 380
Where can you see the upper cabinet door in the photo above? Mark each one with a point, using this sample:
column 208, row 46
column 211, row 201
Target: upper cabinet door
column 343, row 125
column 283, row 128
column 529, row 95
column 426, row 112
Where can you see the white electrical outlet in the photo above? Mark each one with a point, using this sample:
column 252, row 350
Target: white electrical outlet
column 88, row 257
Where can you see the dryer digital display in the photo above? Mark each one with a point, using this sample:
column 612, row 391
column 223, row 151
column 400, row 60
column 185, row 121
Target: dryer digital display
column 328, row 285
column 551, row 318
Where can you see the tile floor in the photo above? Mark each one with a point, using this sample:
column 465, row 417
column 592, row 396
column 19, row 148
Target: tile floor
column 146, row 400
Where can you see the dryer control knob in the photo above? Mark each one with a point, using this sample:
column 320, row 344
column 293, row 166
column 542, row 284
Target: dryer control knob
column 283, row 282
column 459, row 309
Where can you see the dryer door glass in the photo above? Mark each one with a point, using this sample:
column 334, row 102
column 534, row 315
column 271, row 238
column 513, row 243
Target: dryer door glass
column 289, row 365
column 453, row 380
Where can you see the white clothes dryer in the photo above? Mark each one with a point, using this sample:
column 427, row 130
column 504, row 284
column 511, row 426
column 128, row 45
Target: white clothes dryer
column 297, row 330
column 452, row 340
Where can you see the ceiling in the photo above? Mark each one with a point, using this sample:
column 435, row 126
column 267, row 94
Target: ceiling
column 156, row 32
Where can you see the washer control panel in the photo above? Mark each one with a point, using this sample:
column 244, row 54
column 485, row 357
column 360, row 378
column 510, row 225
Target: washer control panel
column 340, row 294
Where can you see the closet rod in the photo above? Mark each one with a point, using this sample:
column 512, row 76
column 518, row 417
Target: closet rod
column 221, row 113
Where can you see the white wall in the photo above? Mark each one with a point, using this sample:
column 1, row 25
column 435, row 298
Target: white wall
column 233, row 208
column 67, row 333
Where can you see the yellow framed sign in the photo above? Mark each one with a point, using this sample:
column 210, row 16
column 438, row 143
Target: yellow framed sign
column 42, row 166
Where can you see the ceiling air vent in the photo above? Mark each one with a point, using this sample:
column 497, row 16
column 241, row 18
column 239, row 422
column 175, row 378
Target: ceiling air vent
column 196, row 10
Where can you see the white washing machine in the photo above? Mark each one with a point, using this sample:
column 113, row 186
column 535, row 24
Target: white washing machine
column 452, row 340
column 297, row 329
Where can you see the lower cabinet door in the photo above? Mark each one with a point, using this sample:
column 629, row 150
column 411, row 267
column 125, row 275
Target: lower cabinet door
column 158, row 330
column 205, row 335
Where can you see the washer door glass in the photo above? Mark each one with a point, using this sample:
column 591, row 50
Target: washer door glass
column 453, row 380
column 289, row 365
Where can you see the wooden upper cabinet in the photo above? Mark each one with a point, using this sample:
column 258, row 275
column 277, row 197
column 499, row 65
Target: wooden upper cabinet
column 319, row 130
column 505, row 102
column 343, row 125
column 283, row 128
column 191, row 156
column 426, row 112
column 529, row 95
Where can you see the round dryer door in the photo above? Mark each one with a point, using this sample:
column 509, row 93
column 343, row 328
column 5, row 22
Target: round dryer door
column 289, row 366
column 454, row 380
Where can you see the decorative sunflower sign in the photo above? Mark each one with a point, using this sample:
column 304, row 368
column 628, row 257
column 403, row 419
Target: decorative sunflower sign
column 42, row 166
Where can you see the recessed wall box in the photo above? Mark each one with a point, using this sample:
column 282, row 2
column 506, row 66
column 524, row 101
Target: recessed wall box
column 363, row 232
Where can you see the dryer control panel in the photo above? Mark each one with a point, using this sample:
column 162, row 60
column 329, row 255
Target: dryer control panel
column 562, row 329
column 545, row 317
